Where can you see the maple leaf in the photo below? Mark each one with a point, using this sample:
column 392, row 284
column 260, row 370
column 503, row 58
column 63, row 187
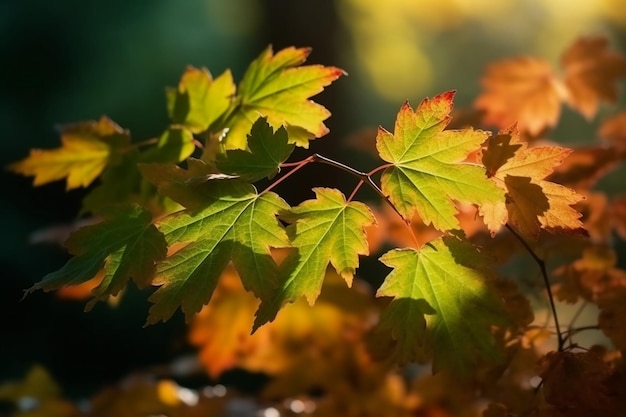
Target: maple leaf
column 326, row 230
column 521, row 90
column 87, row 148
column 613, row 130
column 267, row 150
column 589, row 276
column 427, row 171
column 532, row 203
column 275, row 86
column 591, row 74
column 577, row 383
column 126, row 244
column 199, row 99
column 584, row 166
column 235, row 223
column 442, row 304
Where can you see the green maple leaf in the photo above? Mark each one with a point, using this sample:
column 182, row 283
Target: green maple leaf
column 87, row 148
column 126, row 244
column 199, row 99
column 236, row 224
column 428, row 171
column 325, row 230
column 276, row 87
column 268, row 149
column 442, row 304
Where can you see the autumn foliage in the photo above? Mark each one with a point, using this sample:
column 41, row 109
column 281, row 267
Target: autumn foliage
column 485, row 236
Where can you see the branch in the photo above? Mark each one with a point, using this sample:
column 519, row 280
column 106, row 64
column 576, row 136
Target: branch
column 546, row 281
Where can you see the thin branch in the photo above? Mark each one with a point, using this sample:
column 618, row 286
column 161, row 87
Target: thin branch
column 546, row 281
column 571, row 332
column 570, row 327
column 297, row 166
column 364, row 176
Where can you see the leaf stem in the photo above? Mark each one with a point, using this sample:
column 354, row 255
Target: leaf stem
column 546, row 281
column 296, row 167
column 575, row 330
column 365, row 177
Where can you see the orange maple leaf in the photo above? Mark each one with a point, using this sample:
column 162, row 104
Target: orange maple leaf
column 584, row 166
column 613, row 130
column 526, row 90
column 532, row 203
column 523, row 90
column 591, row 73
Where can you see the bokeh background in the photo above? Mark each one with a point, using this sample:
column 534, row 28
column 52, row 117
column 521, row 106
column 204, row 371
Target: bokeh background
column 73, row 60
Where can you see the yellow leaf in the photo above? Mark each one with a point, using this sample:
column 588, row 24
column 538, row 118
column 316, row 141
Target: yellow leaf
column 87, row 148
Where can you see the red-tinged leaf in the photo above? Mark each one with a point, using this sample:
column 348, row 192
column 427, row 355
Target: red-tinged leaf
column 532, row 203
column 442, row 303
column 592, row 73
column 428, row 171
column 522, row 90
column 87, row 148
column 277, row 87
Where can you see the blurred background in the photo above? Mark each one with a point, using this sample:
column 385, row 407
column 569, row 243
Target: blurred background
column 73, row 60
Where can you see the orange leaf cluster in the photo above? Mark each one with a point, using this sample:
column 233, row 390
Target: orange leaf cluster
column 527, row 91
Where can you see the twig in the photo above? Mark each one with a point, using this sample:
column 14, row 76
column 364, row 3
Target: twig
column 544, row 275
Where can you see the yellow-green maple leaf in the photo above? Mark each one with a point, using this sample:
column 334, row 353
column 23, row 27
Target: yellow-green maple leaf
column 326, row 230
column 199, row 99
column 277, row 87
column 87, row 148
column 442, row 305
column 428, row 171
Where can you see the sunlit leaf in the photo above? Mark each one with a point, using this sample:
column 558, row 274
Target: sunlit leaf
column 532, row 203
column 235, row 224
column 199, row 99
column 87, row 148
column 277, row 87
column 327, row 230
column 428, row 171
column 442, row 304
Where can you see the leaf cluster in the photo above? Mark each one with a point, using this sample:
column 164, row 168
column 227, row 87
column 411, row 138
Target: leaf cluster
column 273, row 288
